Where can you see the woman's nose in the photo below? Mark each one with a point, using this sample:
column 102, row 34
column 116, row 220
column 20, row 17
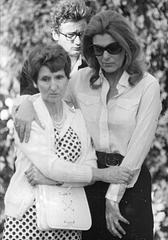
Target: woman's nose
column 106, row 54
column 53, row 85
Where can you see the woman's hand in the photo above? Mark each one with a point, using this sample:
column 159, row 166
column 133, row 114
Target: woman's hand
column 113, row 219
column 23, row 119
column 36, row 177
column 113, row 174
column 118, row 175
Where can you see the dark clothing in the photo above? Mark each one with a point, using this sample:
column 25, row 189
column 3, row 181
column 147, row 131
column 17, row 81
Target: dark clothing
column 135, row 206
column 27, row 88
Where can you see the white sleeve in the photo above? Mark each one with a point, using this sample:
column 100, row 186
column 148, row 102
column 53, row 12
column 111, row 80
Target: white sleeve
column 38, row 152
column 141, row 140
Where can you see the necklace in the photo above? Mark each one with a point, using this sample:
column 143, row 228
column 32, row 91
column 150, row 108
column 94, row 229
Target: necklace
column 59, row 124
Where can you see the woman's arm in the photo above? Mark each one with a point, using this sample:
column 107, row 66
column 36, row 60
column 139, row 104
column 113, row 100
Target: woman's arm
column 138, row 147
column 23, row 115
column 38, row 151
column 142, row 137
column 35, row 177
column 55, row 168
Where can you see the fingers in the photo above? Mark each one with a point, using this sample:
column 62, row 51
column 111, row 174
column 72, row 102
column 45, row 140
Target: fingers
column 115, row 232
column 117, row 174
column 119, row 228
column 114, row 219
column 30, row 179
column 126, row 175
column 27, row 132
column 22, row 131
column 129, row 172
column 30, row 176
column 17, row 126
column 115, row 228
column 20, row 127
column 123, row 178
column 122, row 219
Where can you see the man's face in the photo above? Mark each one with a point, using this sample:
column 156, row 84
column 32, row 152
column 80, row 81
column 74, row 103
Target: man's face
column 70, row 35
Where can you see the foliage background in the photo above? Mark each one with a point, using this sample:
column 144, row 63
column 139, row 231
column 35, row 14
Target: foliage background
column 26, row 23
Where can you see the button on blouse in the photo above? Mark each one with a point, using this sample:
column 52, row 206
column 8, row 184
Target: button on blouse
column 126, row 124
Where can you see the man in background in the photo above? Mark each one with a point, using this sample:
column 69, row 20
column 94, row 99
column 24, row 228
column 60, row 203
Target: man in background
column 68, row 22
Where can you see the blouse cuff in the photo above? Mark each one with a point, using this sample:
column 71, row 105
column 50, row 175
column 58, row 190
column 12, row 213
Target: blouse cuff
column 115, row 192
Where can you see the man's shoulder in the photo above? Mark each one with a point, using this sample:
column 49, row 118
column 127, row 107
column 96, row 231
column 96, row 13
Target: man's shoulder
column 82, row 73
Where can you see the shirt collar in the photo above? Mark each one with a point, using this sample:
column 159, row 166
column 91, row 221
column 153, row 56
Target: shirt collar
column 77, row 64
column 122, row 85
column 124, row 80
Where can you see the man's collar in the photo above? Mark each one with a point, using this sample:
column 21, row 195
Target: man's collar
column 83, row 63
column 80, row 63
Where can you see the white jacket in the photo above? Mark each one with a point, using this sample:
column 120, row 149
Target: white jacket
column 40, row 151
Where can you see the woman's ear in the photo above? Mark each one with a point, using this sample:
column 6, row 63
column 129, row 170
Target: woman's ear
column 55, row 35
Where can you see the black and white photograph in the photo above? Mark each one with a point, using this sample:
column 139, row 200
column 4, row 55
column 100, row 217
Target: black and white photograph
column 83, row 120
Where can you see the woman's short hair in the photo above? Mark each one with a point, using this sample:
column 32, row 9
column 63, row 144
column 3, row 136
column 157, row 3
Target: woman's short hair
column 117, row 26
column 54, row 57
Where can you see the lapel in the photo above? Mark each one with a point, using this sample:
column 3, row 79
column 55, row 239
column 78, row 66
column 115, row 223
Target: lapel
column 70, row 114
column 46, row 120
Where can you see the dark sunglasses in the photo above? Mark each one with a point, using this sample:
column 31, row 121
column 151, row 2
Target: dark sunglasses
column 113, row 48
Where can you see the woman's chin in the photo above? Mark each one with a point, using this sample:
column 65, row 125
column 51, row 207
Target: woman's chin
column 53, row 100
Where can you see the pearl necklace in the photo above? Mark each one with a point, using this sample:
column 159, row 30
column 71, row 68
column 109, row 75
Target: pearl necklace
column 59, row 124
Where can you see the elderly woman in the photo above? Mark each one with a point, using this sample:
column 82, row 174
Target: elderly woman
column 61, row 153
column 121, row 104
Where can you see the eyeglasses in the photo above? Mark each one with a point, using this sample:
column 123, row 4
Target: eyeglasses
column 113, row 48
column 72, row 36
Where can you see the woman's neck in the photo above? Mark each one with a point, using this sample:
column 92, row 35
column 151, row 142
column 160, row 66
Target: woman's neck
column 113, row 78
column 55, row 110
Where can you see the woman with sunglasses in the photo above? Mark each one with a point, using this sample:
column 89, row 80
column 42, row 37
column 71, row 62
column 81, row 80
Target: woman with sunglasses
column 121, row 105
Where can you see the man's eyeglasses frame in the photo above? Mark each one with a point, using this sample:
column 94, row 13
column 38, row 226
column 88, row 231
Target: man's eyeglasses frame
column 72, row 36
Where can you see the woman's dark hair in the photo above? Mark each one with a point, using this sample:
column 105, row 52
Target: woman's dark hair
column 54, row 57
column 116, row 25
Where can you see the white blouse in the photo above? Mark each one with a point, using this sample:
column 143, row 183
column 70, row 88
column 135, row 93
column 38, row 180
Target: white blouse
column 126, row 124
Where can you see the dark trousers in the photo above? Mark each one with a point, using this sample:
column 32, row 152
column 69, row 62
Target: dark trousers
column 135, row 206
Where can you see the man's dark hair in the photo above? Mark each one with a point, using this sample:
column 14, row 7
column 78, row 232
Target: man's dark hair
column 71, row 10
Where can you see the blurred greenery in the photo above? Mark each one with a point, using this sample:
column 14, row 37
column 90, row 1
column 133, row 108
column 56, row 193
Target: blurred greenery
column 26, row 23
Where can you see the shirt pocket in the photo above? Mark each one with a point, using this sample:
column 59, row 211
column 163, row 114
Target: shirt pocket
column 89, row 106
column 125, row 111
